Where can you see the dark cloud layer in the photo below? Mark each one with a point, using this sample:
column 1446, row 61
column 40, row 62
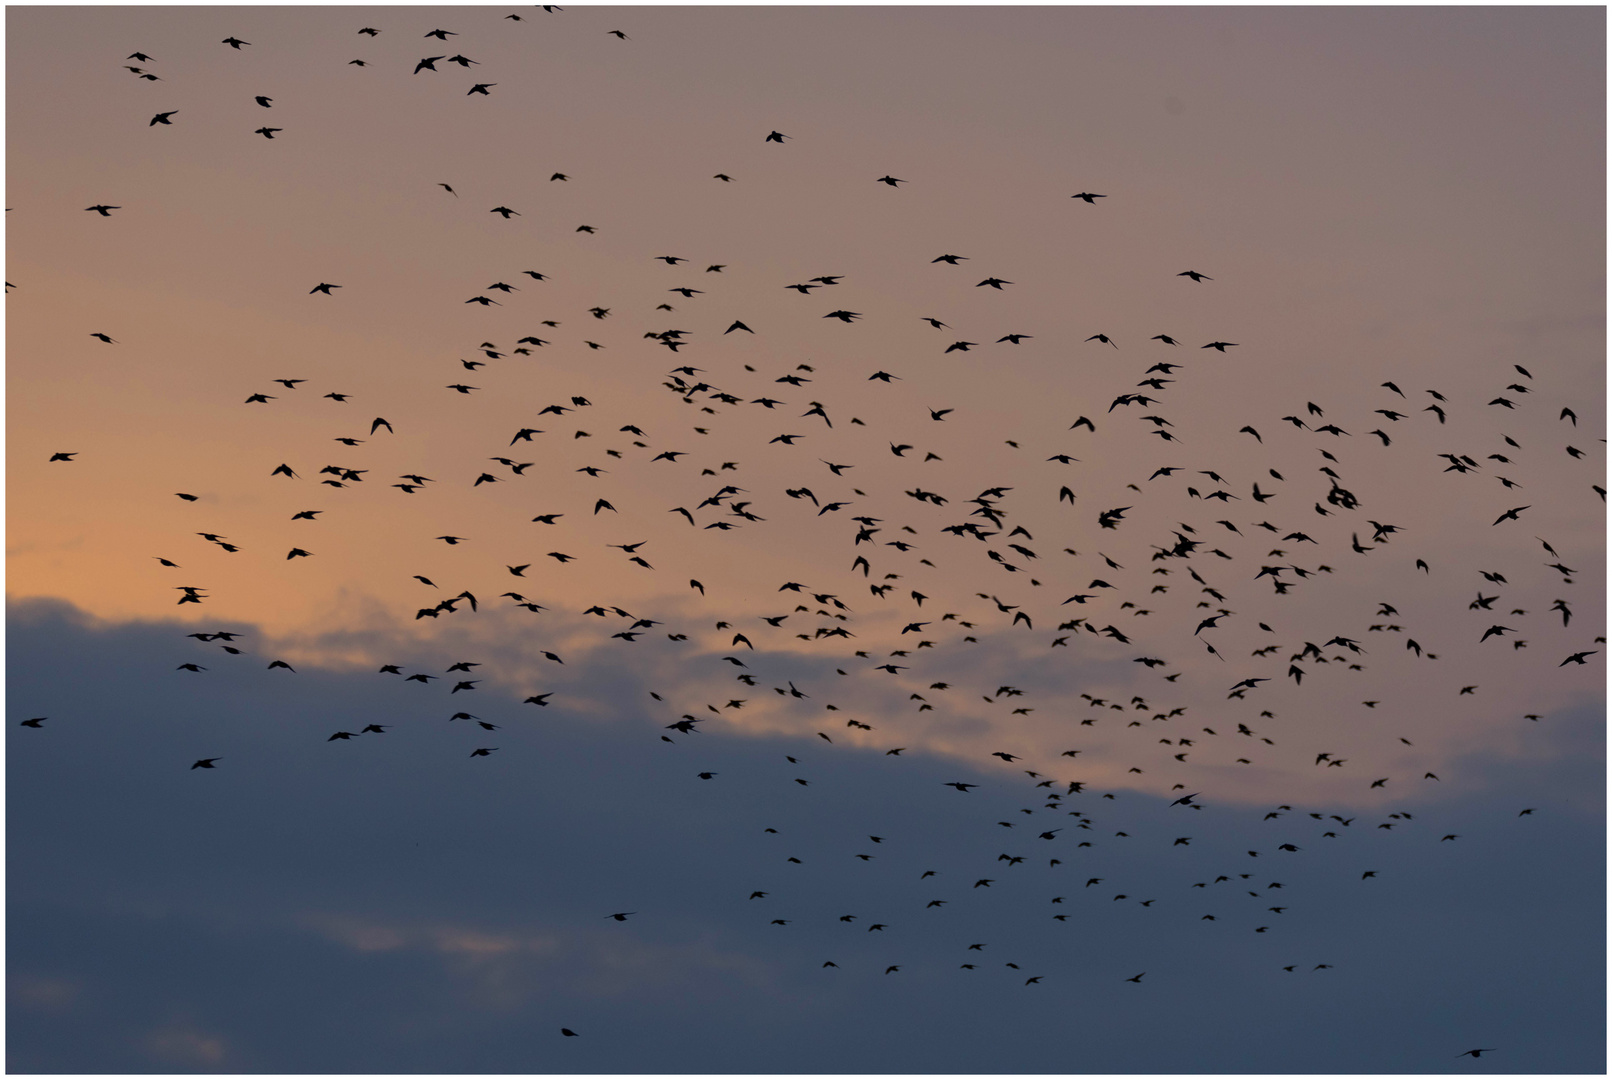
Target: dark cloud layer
column 390, row 904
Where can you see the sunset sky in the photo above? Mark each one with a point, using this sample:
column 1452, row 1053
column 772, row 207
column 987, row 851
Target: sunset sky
column 1350, row 648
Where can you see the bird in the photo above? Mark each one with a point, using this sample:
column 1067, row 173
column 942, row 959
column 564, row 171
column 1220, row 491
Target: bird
column 103, row 209
column 162, row 118
column 267, row 132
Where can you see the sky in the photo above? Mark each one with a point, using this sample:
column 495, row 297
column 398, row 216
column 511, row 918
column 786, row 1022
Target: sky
column 1277, row 629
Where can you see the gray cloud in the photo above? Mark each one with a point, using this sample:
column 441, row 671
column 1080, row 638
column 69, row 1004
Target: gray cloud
column 389, row 903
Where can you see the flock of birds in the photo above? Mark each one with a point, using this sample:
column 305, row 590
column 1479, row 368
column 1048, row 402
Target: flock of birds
column 1109, row 599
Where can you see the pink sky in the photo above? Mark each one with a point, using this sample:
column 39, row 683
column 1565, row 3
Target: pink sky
column 1377, row 195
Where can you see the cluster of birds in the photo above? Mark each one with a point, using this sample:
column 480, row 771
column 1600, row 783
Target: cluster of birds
column 1229, row 562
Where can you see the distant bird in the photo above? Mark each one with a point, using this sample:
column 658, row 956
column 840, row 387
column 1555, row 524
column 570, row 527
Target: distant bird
column 103, row 210
column 1092, row 199
column 162, row 118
